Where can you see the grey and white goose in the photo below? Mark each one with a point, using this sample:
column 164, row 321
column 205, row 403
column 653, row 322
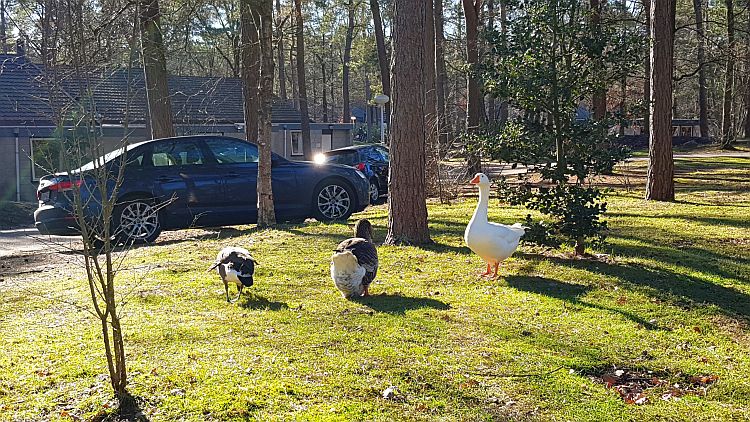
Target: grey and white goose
column 236, row 265
column 354, row 263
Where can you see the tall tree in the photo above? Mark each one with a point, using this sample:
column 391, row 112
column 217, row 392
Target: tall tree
column 660, row 181
column 302, row 82
column 489, row 99
column 599, row 99
column 351, row 9
column 250, row 71
column 155, row 70
column 407, row 207
column 701, row 53
column 504, row 36
column 474, row 99
column 430, row 101
column 385, row 76
column 727, row 112
column 440, row 74
column 647, row 69
column 3, row 28
column 263, row 10
column 747, row 85
column 280, row 50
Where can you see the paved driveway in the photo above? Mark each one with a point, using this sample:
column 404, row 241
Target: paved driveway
column 27, row 241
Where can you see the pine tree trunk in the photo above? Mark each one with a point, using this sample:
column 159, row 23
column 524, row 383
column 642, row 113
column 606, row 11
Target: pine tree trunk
column 440, row 73
column 599, row 100
column 293, row 65
column 647, row 70
column 266, row 213
column 250, row 58
column 702, row 90
column 504, row 33
column 3, row 28
column 473, row 93
column 660, row 182
column 302, row 82
column 407, row 216
column 325, row 84
column 155, row 71
column 346, row 113
column 385, row 75
column 489, row 99
column 430, row 101
column 727, row 112
column 280, row 52
column 747, row 97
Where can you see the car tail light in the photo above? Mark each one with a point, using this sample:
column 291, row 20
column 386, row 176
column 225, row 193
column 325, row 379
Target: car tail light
column 65, row 185
column 360, row 166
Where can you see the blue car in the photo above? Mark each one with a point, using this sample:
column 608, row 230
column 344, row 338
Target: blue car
column 198, row 181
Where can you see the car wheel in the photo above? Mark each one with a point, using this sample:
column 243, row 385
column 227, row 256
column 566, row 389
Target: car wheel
column 374, row 192
column 333, row 200
column 136, row 221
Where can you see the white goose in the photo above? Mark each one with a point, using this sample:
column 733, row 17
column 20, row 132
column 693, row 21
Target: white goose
column 493, row 242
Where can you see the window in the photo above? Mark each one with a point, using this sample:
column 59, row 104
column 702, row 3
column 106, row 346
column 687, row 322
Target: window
column 346, row 158
column 46, row 157
column 297, row 143
column 176, row 153
column 375, row 155
column 384, row 152
column 228, row 151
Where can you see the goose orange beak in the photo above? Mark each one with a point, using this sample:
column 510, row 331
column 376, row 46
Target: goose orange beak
column 475, row 180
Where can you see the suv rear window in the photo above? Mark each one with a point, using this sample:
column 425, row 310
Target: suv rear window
column 345, row 157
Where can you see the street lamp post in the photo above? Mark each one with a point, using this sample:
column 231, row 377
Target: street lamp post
column 381, row 100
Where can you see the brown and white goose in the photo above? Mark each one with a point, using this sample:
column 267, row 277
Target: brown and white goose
column 354, row 263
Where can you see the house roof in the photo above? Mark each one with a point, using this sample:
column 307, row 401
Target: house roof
column 29, row 94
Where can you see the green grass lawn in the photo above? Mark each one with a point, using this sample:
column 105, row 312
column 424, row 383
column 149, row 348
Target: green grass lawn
column 669, row 301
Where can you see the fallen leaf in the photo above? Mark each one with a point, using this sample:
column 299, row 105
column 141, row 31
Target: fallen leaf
column 609, row 380
column 704, row 379
column 697, row 329
column 469, row 383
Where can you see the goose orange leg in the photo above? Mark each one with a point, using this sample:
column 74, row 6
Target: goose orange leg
column 486, row 272
column 497, row 264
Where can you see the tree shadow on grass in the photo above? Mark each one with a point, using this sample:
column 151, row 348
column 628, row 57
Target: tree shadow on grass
column 677, row 289
column 568, row 292
column 129, row 410
column 398, row 305
column 253, row 301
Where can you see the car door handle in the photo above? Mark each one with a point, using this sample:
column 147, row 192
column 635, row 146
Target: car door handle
column 232, row 175
column 166, row 179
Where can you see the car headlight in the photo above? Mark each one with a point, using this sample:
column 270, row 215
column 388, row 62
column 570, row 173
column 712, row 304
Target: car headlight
column 360, row 174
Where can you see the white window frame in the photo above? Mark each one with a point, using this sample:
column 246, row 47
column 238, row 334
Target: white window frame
column 300, row 149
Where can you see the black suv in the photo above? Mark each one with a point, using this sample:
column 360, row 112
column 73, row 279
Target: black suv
column 372, row 160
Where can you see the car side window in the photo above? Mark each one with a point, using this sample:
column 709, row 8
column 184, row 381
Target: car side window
column 227, row 151
column 134, row 161
column 384, row 153
column 374, row 155
column 176, row 153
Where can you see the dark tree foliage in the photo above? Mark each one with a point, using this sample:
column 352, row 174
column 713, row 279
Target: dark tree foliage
column 545, row 74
